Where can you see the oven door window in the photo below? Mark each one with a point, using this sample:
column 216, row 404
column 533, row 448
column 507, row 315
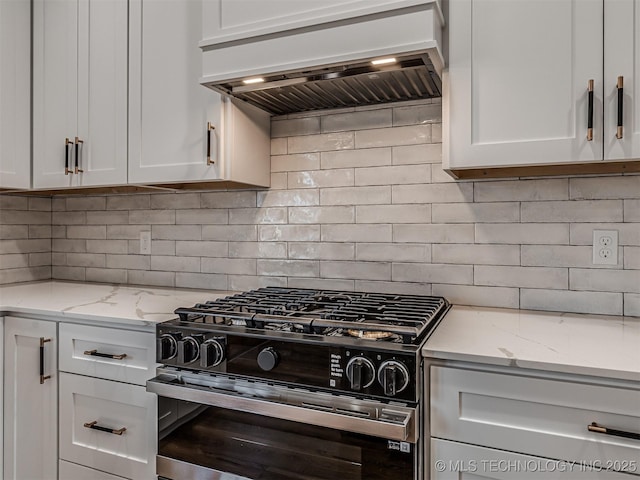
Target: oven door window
column 263, row 448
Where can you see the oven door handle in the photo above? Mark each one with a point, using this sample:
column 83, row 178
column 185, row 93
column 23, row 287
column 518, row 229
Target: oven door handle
column 391, row 422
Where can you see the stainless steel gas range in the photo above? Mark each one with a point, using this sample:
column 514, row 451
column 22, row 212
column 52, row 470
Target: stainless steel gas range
column 285, row 384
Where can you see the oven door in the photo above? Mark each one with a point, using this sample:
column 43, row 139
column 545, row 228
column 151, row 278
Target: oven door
column 219, row 428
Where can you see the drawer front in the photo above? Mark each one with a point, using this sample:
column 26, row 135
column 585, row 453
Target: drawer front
column 130, row 356
column 535, row 416
column 459, row 461
column 111, row 405
column 72, row 471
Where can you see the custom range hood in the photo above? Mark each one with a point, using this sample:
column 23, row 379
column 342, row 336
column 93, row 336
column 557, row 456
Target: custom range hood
column 384, row 52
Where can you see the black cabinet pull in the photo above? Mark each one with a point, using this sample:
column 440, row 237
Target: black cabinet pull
column 67, row 152
column 43, row 377
column 95, row 353
column 209, row 129
column 94, row 426
column 620, row 85
column 590, row 113
column 594, row 427
column 78, row 142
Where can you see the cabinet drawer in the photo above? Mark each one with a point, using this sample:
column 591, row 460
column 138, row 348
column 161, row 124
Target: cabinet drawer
column 459, row 461
column 111, row 405
column 543, row 417
column 133, row 353
column 72, row 471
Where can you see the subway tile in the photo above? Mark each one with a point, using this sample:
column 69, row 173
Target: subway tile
column 111, row 246
column 628, row 233
column 152, row 217
column 529, row 277
column 258, row 250
column 288, row 268
column 401, row 288
column 126, row 232
column 355, row 195
column 106, row 275
column 175, row 201
column 98, row 217
column 14, row 260
column 393, row 214
column 128, row 202
column 85, row 260
column 12, row 202
column 321, row 143
column 434, row 233
column 68, row 273
column 356, row 233
column 476, row 254
column 179, row 232
column 23, row 217
column 292, row 128
column 9, row 232
column 631, row 258
column 249, row 282
column 41, row 259
column 395, row 175
column 433, row 273
column 87, row 232
column 57, row 231
column 356, row 270
column 39, row 231
column 278, row 146
column 433, row 193
column 25, row 245
column 632, row 304
column 58, row 204
column 152, row 278
column 158, row 247
column 500, row 297
column 560, row 256
column 201, row 248
column 573, row 211
column 387, row 137
column 70, row 245
column 604, row 280
column 240, row 233
column 436, row 133
column 570, row 301
column 175, row 264
column 339, row 122
column 208, row 281
column 234, row 266
column 368, row 157
column 416, row 154
column 128, row 262
column 523, row 233
column 321, row 178
column 438, row 175
column 285, row 198
column 417, row 115
column 321, row 283
column 253, row 216
column 599, row 188
column 15, row 275
column 42, row 204
column 390, row 252
column 340, row 214
column 239, row 199
column 58, row 258
column 289, row 233
column 83, row 204
column 201, row 216
column 498, row 212
column 295, row 163
column 522, row 190
column 632, row 210
column 69, row 218
column 321, row 251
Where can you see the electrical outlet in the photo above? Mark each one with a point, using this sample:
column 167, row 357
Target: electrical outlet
column 145, row 243
column 605, row 247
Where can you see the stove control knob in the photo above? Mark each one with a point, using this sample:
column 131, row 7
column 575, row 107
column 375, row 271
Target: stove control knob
column 189, row 349
column 393, row 376
column 167, row 346
column 360, row 372
column 211, row 353
column 268, row 359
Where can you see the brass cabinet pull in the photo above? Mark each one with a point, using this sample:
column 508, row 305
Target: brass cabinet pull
column 78, row 142
column 209, row 129
column 94, row 426
column 590, row 113
column 594, row 427
column 620, row 86
column 95, row 353
column 67, row 152
column 43, row 377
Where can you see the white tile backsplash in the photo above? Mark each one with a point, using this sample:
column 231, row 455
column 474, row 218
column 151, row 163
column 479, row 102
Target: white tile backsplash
column 358, row 201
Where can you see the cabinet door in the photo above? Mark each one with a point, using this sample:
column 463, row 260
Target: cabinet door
column 622, row 59
column 168, row 109
column 31, row 405
column 15, row 95
column 518, row 79
column 102, row 92
column 55, row 87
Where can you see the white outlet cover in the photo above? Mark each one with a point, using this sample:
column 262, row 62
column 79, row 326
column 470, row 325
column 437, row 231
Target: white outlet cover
column 605, row 247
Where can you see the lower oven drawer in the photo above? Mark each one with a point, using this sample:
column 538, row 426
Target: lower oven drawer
column 72, row 471
column 536, row 416
column 103, row 445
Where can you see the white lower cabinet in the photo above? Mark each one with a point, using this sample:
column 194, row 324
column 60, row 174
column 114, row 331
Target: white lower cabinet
column 31, row 399
column 109, row 426
column 73, row 471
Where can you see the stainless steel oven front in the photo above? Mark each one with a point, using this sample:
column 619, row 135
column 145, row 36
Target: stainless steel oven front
column 220, row 427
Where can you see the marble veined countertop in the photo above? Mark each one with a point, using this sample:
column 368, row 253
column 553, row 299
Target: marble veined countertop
column 603, row 346
column 100, row 302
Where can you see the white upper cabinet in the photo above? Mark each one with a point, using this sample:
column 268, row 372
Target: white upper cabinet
column 170, row 112
column 517, row 83
column 79, row 93
column 15, row 101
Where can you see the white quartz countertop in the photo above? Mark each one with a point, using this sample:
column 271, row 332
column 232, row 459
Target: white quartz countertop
column 99, row 302
column 604, row 346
